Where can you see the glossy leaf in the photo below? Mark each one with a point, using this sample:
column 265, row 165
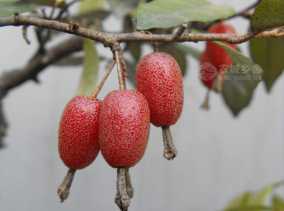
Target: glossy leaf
column 269, row 54
column 120, row 8
column 189, row 50
column 9, row 8
column 278, row 202
column 239, row 201
column 168, row 13
column 241, row 80
column 267, row 15
column 178, row 54
column 88, row 6
column 90, row 71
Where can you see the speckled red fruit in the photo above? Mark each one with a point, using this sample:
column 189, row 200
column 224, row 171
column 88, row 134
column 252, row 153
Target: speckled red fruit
column 217, row 56
column 78, row 143
column 159, row 79
column 124, row 127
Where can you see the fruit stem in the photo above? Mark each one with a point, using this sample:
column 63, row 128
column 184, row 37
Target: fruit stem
column 170, row 152
column 98, row 89
column 129, row 187
column 63, row 189
column 122, row 199
column 155, row 45
column 121, row 79
column 205, row 105
column 217, row 86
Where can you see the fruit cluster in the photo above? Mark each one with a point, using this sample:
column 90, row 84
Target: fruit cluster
column 119, row 125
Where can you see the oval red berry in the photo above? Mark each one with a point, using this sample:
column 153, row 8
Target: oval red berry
column 124, row 128
column 78, row 143
column 159, row 79
column 217, row 56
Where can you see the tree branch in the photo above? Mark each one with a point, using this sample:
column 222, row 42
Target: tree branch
column 14, row 78
column 109, row 39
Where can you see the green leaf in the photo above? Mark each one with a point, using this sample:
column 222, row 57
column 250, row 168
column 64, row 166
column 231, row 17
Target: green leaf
column 239, row 201
column 255, row 202
column 168, row 13
column 9, row 8
column 189, row 50
column 127, row 24
column 267, row 15
column 135, row 50
column 178, row 54
column 241, row 80
column 43, row 2
column 88, row 6
column 131, row 71
column 120, row 8
column 254, row 208
column 278, row 202
column 259, row 198
column 90, row 71
column 91, row 16
column 269, row 54
column 58, row 2
column 70, row 61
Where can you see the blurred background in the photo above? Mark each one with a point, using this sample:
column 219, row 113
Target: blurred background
column 219, row 156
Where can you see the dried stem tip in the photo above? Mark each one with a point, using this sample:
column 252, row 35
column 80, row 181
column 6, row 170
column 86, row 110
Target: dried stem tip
column 205, row 105
column 129, row 187
column 63, row 189
column 122, row 199
column 170, row 152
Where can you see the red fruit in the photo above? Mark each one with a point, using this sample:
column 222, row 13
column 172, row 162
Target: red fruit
column 159, row 79
column 124, row 127
column 217, row 56
column 79, row 132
